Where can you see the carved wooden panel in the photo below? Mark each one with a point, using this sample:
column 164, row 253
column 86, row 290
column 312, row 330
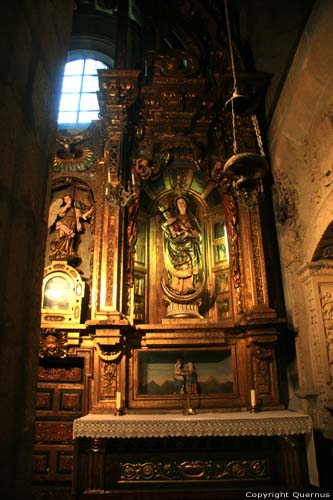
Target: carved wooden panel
column 59, row 400
column 264, row 377
column 185, row 467
column 190, row 470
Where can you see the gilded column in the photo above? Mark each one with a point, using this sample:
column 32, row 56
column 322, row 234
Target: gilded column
column 254, row 282
column 118, row 94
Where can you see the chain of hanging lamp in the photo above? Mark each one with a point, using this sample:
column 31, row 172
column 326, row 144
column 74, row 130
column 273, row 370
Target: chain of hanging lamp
column 258, row 134
column 235, row 89
column 247, row 169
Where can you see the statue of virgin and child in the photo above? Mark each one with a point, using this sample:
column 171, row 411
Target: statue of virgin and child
column 182, row 241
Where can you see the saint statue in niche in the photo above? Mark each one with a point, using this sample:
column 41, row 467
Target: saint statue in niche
column 66, row 219
column 182, row 248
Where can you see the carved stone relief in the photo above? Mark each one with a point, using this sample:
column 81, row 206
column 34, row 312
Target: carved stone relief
column 286, row 206
column 326, row 299
column 321, row 151
column 302, row 198
column 316, row 336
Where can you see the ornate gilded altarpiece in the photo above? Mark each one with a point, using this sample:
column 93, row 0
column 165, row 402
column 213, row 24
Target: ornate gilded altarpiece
column 168, row 258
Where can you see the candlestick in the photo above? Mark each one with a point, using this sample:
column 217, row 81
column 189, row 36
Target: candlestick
column 188, row 410
column 118, row 400
column 119, row 410
column 253, row 401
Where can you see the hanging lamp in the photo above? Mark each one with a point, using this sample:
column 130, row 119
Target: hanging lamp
column 244, row 169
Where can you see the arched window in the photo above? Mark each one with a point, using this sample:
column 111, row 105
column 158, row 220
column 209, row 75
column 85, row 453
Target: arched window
column 78, row 103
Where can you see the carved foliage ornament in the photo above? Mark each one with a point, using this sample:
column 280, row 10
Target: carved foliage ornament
column 108, row 380
column 190, row 470
column 262, row 361
column 255, row 229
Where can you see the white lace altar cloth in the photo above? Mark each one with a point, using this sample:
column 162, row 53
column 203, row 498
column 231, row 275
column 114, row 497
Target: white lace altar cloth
column 267, row 423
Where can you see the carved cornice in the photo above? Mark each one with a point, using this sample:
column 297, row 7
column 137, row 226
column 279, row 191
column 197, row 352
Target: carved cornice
column 316, row 268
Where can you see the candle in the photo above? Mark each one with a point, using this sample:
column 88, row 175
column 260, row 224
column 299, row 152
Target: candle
column 118, row 400
column 109, row 176
column 253, row 397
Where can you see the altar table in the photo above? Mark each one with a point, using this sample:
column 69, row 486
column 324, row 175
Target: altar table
column 217, row 448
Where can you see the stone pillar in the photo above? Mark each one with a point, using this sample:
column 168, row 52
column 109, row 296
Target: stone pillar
column 35, row 37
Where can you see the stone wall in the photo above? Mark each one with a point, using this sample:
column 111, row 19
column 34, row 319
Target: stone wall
column 301, row 150
column 272, row 30
column 34, row 38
